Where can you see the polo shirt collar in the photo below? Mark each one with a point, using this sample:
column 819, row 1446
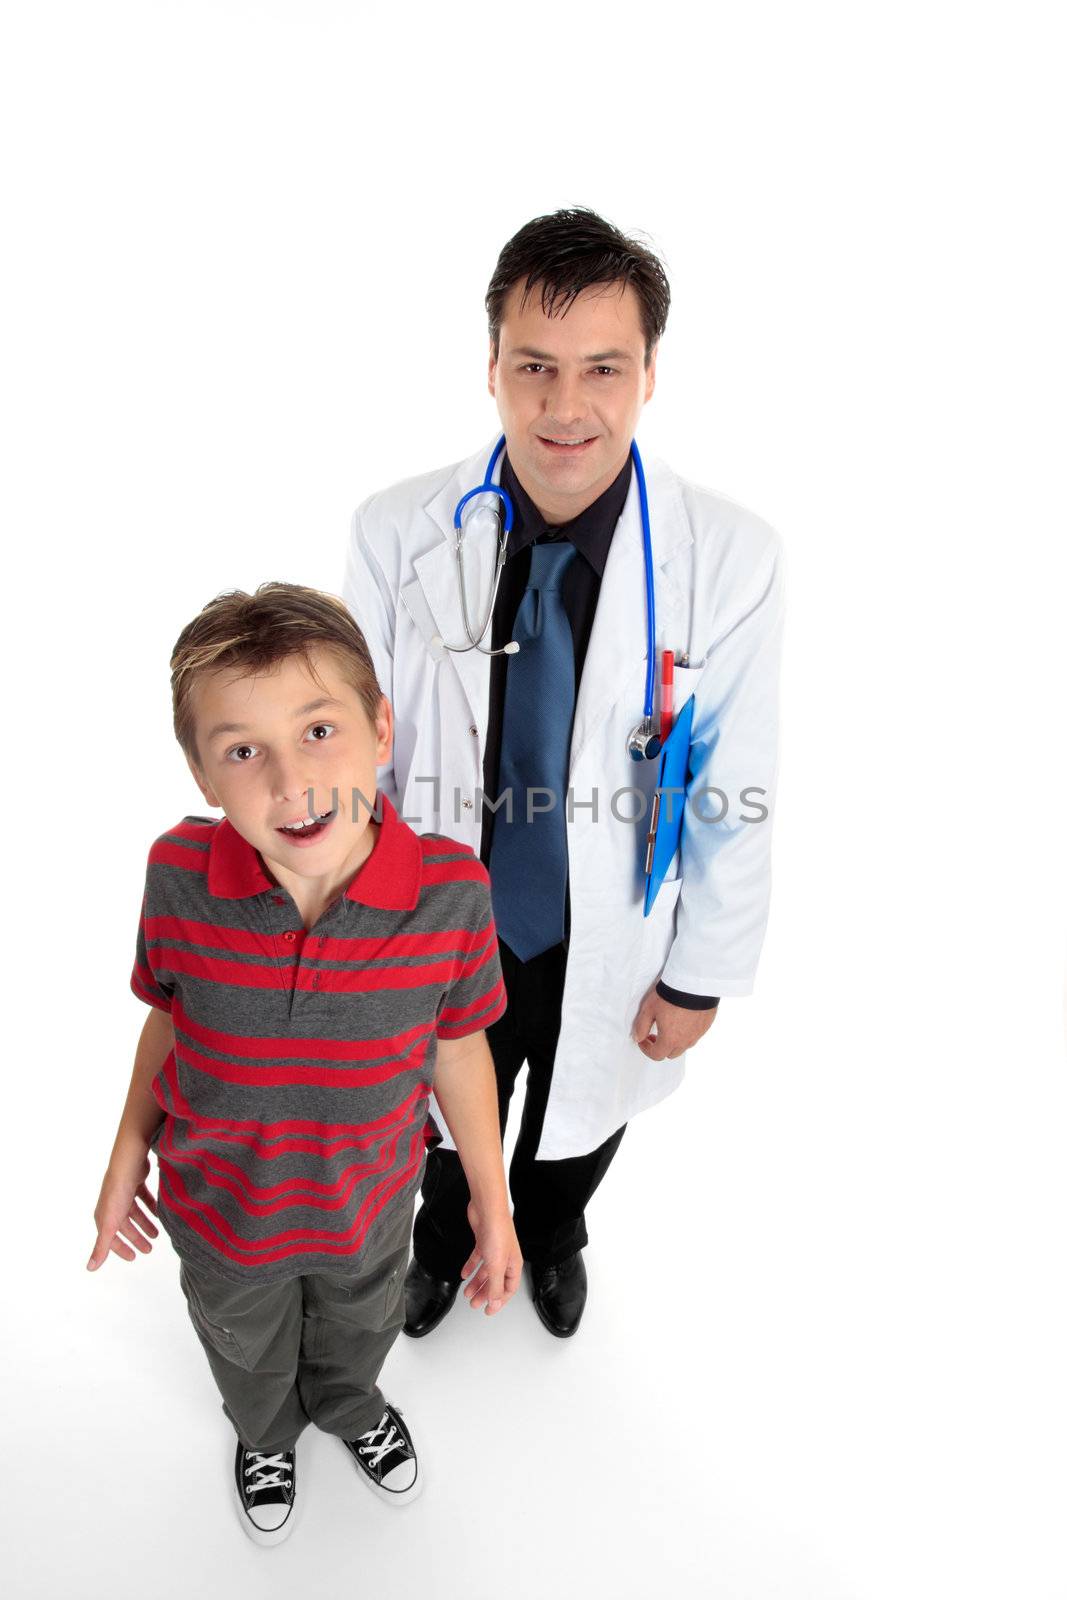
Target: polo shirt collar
column 389, row 879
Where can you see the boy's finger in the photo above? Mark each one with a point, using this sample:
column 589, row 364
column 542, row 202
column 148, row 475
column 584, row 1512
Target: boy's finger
column 98, row 1254
column 120, row 1248
column 128, row 1231
column 477, row 1295
column 144, row 1193
column 144, row 1223
column 495, row 1290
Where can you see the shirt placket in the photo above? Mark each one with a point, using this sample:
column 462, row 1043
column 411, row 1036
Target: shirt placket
column 297, row 945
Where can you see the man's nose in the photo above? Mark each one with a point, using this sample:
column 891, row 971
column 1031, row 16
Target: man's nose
column 565, row 404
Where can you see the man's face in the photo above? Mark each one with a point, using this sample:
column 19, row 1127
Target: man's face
column 275, row 746
column 579, row 376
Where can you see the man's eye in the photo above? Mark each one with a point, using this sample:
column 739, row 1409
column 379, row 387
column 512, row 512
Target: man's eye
column 238, row 752
column 324, row 728
column 533, row 366
column 609, row 370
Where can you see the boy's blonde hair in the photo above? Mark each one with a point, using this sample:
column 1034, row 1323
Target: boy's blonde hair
column 251, row 632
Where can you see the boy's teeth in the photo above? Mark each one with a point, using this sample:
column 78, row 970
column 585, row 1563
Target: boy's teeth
column 307, row 822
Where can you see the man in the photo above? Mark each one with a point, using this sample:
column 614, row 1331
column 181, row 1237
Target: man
column 603, row 1002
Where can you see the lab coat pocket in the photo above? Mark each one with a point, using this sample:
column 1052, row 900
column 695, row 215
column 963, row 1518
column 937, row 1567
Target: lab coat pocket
column 686, row 681
column 657, row 936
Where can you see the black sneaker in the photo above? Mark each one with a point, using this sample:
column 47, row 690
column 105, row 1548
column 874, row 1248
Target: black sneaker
column 386, row 1457
column 266, row 1493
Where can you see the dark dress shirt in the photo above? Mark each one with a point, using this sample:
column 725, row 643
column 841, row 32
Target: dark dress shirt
column 591, row 533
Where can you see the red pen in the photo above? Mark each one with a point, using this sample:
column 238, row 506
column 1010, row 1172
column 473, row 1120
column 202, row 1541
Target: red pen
column 666, row 700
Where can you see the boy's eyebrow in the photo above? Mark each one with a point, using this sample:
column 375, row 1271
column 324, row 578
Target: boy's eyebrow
column 301, row 711
column 543, row 355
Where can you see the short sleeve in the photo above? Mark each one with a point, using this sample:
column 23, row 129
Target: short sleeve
column 475, row 996
column 146, row 981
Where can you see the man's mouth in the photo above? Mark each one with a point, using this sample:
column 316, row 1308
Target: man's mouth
column 561, row 447
column 305, row 829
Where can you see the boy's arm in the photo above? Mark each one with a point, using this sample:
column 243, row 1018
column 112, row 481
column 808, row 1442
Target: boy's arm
column 119, row 1216
column 465, row 1086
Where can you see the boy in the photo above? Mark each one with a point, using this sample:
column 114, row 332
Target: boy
column 313, row 968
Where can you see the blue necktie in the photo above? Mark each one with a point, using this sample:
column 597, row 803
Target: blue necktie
column 528, row 859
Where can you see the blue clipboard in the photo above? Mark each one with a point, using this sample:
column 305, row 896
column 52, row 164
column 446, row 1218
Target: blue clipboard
column 668, row 810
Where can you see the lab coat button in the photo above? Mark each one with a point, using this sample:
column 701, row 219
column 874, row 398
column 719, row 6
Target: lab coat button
column 467, row 805
column 473, row 729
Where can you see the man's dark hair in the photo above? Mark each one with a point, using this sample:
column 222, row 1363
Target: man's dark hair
column 569, row 251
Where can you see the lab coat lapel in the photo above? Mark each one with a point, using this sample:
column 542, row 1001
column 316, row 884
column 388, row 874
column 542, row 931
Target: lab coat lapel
column 437, row 574
column 618, row 644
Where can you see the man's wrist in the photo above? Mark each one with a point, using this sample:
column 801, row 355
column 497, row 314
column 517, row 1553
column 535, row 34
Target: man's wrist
column 690, row 1002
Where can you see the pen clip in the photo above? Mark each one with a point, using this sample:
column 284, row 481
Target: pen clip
column 650, row 848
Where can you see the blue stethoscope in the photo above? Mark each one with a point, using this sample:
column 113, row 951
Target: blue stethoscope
column 644, row 740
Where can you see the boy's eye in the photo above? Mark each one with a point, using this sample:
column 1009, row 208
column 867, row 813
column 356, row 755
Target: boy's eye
column 321, row 728
column 241, row 752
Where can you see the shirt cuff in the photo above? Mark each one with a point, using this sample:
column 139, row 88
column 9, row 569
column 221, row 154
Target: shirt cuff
column 691, row 1002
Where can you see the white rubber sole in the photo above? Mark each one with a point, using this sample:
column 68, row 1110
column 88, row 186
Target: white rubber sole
column 258, row 1535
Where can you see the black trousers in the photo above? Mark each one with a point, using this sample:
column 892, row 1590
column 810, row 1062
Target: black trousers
column 549, row 1197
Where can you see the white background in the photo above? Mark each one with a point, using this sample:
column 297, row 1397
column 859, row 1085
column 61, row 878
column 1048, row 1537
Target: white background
column 246, row 250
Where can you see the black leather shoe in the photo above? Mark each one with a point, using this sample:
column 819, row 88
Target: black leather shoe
column 427, row 1300
column 559, row 1295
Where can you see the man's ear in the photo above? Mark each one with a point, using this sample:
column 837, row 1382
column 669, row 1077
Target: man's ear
column 202, row 784
column 492, row 369
column 650, row 373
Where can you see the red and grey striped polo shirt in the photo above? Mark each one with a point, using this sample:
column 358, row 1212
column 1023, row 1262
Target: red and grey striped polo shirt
column 296, row 1095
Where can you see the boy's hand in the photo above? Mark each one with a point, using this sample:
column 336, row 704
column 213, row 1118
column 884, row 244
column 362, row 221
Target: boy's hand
column 119, row 1216
column 495, row 1264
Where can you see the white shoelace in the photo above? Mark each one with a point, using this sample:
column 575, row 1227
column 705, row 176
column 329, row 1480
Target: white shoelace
column 375, row 1451
column 266, row 1472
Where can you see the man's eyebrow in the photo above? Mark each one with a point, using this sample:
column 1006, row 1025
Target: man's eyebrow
column 301, row 711
column 543, row 355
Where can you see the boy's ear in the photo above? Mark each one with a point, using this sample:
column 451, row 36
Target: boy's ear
column 202, row 784
column 383, row 728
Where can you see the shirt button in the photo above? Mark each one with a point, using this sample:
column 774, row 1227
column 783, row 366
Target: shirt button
column 278, row 901
column 289, row 935
column 473, row 729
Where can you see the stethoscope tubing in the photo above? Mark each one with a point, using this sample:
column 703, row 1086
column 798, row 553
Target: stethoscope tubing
column 487, row 486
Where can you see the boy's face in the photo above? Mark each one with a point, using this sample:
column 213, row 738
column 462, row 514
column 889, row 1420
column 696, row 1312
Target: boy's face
column 577, row 375
column 274, row 746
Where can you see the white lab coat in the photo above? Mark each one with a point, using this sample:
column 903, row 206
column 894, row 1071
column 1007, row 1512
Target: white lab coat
column 719, row 595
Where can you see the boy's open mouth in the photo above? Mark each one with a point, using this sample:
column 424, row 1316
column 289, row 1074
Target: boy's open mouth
column 306, row 831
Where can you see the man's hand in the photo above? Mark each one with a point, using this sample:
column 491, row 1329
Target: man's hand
column 119, row 1216
column 677, row 1028
column 494, row 1266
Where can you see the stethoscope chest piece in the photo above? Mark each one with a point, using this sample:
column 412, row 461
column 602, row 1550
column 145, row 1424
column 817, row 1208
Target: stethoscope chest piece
column 644, row 743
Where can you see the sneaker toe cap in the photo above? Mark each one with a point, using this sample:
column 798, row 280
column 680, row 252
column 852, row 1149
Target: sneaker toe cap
column 401, row 1477
column 269, row 1518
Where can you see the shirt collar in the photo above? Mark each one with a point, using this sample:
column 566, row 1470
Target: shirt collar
column 389, row 879
column 590, row 532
